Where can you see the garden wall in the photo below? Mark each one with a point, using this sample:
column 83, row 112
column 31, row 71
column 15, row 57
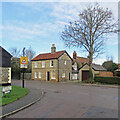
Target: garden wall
column 27, row 76
column 105, row 74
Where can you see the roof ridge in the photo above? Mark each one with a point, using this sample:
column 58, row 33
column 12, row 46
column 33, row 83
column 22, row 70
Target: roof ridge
column 51, row 53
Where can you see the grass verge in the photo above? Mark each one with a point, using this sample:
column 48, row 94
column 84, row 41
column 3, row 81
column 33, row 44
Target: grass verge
column 15, row 94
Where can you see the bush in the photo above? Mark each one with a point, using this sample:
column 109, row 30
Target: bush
column 108, row 80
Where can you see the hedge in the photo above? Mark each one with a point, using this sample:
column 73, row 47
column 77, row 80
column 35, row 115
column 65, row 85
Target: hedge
column 108, row 80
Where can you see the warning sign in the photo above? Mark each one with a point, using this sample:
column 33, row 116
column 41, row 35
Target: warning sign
column 23, row 62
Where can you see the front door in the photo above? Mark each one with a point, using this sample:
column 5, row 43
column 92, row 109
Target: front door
column 48, row 76
column 69, row 76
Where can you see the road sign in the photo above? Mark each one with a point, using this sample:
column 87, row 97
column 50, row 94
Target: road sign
column 23, row 62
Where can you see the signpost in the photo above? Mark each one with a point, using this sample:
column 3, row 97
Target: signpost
column 23, row 64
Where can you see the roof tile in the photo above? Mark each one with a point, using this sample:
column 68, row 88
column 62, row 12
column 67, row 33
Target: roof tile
column 48, row 56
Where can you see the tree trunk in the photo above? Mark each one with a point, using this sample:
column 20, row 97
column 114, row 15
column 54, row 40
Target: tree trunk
column 90, row 64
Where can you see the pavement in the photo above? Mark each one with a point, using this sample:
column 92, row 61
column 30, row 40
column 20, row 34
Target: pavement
column 32, row 97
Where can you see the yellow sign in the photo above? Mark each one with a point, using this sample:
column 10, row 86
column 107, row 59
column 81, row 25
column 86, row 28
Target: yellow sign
column 23, row 62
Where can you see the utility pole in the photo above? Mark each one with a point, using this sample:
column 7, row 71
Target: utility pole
column 23, row 68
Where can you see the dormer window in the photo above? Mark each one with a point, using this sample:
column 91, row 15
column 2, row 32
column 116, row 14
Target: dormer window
column 51, row 63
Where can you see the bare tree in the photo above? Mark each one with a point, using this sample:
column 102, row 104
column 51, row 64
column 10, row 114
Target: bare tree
column 15, row 52
column 89, row 31
column 29, row 53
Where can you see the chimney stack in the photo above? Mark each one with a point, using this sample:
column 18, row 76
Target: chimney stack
column 74, row 55
column 53, row 49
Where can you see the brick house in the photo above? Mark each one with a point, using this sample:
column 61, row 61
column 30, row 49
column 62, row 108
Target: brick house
column 80, row 69
column 54, row 66
column 77, row 63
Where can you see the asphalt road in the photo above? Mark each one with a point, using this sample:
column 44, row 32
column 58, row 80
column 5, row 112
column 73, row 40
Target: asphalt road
column 66, row 100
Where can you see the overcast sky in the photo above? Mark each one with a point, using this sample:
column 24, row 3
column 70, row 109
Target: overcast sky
column 39, row 24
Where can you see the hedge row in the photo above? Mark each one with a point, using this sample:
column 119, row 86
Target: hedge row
column 108, row 80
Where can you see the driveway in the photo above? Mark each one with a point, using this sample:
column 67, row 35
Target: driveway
column 66, row 100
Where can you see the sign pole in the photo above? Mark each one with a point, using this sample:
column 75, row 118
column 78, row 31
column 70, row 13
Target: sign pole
column 23, row 68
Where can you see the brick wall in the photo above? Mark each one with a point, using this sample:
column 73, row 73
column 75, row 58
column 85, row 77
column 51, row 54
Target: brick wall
column 27, row 76
column 105, row 74
column 65, row 68
column 44, row 70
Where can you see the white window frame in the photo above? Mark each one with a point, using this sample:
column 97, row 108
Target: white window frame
column 35, row 74
column 75, row 67
column 52, row 76
column 63, row 75
column 39, row 74
column 36, row 65
column 43, row 64
column 65, row 62
column 51, row 63
column 74, row 76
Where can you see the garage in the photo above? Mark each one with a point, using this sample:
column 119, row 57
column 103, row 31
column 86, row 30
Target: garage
column 97, row 70
column 85, row 75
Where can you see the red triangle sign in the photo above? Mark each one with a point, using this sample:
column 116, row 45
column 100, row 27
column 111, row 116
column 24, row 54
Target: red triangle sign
column 24, row 61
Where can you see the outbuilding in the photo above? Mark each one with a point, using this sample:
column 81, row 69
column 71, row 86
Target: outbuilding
column 5, row 70
column 97, row 70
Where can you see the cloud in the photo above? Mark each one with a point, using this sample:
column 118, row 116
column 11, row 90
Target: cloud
column 18, row 32
column 66, row 11
column 111, row 39
column 99, row 60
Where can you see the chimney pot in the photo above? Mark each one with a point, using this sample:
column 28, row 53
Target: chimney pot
column 53, row 45
column 53, row 49
column 74, row 55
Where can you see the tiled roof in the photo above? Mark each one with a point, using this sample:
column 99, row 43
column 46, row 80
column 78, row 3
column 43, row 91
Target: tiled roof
column 98, row 67
column 47, row 56
column 81, row 59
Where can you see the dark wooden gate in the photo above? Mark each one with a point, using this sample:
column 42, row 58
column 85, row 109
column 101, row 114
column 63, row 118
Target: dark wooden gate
column 85, row 75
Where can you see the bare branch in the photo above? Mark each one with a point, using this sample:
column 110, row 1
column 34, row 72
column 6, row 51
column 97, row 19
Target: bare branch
column 93, row 24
